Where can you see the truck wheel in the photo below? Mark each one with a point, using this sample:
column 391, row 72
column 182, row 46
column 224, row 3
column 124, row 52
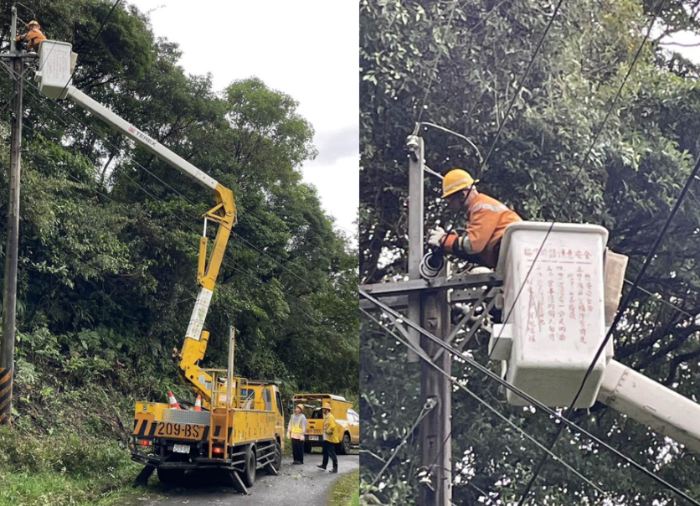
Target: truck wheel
column 248, row 474
column 344, row 445
column 308, row 448
column 274, row 466
column 171, row 476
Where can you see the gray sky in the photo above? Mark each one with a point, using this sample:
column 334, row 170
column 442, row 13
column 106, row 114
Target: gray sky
column 307, row 49
column 686, row 43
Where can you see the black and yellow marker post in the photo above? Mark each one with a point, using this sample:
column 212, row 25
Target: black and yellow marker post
column 5, row 395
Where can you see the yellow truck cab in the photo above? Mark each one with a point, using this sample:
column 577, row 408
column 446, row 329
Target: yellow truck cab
column 346, row 418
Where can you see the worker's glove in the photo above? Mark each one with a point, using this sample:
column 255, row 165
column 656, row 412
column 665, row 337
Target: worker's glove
column 436, row 237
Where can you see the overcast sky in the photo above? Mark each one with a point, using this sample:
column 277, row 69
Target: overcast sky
column 686, row 43
column 307, row 49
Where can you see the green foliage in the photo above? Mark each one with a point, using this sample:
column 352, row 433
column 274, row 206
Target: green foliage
column 37, row 471
column 629, row 184
column 110, row 235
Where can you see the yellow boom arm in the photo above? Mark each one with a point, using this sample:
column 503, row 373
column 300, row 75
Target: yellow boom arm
column 196, row 345
column 223, row 214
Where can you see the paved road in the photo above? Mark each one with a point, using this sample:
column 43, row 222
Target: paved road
column 305, row 485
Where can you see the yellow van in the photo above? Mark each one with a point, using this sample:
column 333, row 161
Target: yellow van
column 344, row 415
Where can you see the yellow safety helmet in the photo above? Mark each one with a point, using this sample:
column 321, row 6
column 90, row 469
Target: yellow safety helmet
column 300, row 406
column 326, row 405
column 456, row 180
column 34, row 22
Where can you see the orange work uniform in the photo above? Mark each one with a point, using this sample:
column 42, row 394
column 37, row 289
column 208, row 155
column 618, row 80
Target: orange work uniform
column 33, row 38
column 487, row 222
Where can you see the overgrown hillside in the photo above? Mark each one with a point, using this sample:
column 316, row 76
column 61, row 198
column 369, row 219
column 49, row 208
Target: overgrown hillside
column 109, row 245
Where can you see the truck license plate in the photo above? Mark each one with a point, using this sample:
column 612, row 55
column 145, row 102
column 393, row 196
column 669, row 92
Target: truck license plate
column 181, row 448
column 177, row 431
column 313, row 438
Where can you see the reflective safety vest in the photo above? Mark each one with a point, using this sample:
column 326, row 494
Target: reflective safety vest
column 487, row 222
column 296, row 427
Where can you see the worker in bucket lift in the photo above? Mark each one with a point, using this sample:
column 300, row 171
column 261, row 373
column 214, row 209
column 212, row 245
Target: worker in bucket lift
column 295, row 432
column 330, row 438
column 486, row 218
column 33, row 37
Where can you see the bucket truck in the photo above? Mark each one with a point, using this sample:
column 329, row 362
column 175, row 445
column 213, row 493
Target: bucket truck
column 241, row 428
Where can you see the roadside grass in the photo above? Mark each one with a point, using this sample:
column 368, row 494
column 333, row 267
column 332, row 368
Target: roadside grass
column 346, row 491
column 61, row 470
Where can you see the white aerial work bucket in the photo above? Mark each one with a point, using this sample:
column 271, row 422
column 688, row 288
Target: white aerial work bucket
column 557, row 323
column 56, row 62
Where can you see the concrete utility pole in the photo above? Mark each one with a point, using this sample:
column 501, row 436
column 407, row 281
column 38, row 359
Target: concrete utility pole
column 415, row 232
column 436, row 430
column 426, row 303
column 432, row 310
column 9, row 300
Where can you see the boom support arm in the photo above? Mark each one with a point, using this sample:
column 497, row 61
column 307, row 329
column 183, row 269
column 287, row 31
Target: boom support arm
column 651, row 403
column 224, row 214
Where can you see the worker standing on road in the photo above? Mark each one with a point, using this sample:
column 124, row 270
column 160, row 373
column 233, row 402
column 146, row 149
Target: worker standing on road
column 33, row 37
column 295, row 432
column 330, row 438
column 487, row 220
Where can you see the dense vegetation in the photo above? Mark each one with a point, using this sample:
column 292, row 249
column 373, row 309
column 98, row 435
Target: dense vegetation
column 109, row 241
column 473, row 54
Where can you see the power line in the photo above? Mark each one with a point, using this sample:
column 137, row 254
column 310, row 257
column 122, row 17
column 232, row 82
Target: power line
column 654, row 297
column 456, row 134
column 520, row 88
column 524, row 395
column 427, row 408
column 484, row 403
column 657, row 298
